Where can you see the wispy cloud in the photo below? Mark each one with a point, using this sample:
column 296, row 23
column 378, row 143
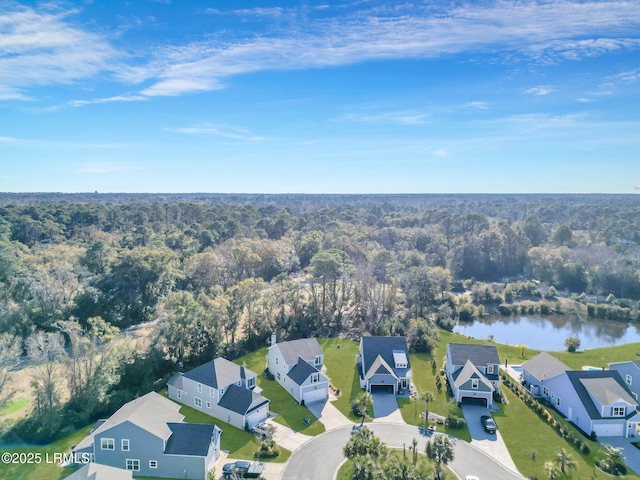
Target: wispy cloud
column 8, row 139
column 219, row 131
column 540, row 90
column 39, row 48
column 402, row 117
column 477, row 105
column 117, row 98
column 105, row 168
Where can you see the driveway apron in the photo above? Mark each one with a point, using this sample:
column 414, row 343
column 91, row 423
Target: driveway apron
column 329, row 415
column 385, row 408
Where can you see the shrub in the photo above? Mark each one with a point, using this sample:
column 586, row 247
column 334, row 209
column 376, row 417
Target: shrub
column 268, row 449
column 453, row 421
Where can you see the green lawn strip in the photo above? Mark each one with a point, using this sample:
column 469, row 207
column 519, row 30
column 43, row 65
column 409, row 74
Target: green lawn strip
column 524, row 432
column 346, row 469
column 599, row 357
column 290, row 413
column 47, row 469
column 340, row 360
column 14, row 405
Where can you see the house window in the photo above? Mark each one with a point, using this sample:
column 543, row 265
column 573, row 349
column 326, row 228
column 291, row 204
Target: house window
column 318, row 360
column 124, row 444
column 314, row 378
column 133, row 464
column 276, row 360
column 278, row 375
column 558, row 402
column 545, row 391
column 208, row 404
column 618, row 411
column 199, row 388
column 221, row 392
column 251, row 382
column 635, row 395
column 153, row 464
column 179, row 394
column 629, row 379
column 107, row 444
column 197, row 402
column 489, row 368
column 212, row 392
column 475, row 383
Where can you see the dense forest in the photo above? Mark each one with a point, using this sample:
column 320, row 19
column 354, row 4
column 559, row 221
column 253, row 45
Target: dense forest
column 217, row 274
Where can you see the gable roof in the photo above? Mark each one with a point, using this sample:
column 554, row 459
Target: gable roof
column 636, row 363
column 151, row 412
column 600, row 384
column 241, row 400
column 305, row 348
column 468, row 372
column 191, row 439
column 544, row 366
column 380, row 367
column 218, row 373
column 96, row 471
column 480, row 355
column 301, row 371
column 384, row 347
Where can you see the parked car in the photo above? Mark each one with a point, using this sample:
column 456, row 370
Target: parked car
column 471, row 477
column 243, row 469
column 488, row 424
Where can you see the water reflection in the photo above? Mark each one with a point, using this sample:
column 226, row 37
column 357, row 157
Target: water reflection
column 549, row 333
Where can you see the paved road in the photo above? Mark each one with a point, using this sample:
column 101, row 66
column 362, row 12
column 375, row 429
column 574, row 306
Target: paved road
column 319, row 458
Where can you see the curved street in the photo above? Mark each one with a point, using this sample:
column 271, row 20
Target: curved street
column 320, row 457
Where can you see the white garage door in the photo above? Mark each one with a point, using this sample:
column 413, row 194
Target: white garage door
column 604, row 430
column 257, row 416
column 311, row 396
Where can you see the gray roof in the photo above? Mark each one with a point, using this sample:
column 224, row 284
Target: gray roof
column 192, row 439
column 603, row 385
column 301, row 371
column 151, row 412
column 480, row 355
column 307, row 348
column 380, row 367
column 241, row 400
column 218, row 373
column 544, row 366
column 468, row 372
column 372, row 347
column 96, row 471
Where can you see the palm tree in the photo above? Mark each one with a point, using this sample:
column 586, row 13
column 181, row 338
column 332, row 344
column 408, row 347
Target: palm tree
column 440, row 450
column 414, row 447
column 362, row 401
column 564, row 461
column 427, row 397
column 551, row 470
column 612, row 457
column 533, row 456
column 363, row 469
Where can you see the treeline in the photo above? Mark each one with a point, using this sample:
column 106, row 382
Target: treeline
column 218, row 274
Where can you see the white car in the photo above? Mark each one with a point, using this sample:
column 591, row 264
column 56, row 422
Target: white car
column 471, row 477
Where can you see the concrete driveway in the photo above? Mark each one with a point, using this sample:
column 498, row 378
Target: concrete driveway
column 329, row 415
column 490, row 443
column 385, row 408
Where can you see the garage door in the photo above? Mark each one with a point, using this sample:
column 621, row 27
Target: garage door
column 257, row 416
column 382, row 389
column 318, row 395
column 604, row 430
column 474, row 401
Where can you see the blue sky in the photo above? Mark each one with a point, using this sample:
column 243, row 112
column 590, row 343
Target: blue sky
column 320, row 96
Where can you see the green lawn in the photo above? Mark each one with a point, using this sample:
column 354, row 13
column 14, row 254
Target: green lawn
column 290, row 413
column 14, row 405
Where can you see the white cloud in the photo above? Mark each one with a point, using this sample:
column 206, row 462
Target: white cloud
column 540, row 90
column 8, row 139
column 117, row 98
column 401, row 117
column 477, row 105
column 219, row 131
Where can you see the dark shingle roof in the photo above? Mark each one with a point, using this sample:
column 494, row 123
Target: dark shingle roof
column 301, row 371
column 241, row 400
column 190, row 439
column 480, row 355
column 384, row 347
column 600, row 383
column 544, row 366
column 307, row 348
column 218, row 373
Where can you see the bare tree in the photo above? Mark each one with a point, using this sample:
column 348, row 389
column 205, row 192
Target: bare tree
column 46, row 349
column 9, row 358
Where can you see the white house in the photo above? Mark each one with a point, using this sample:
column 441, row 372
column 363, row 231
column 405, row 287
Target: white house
column 472, row 372
column 222, row 389
column 384, row 365
column 298, row 366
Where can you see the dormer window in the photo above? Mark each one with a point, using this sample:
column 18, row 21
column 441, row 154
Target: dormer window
column 251, row 382
column 618, row 411
column 400, row 359
column 489, row 368
column 318, row 360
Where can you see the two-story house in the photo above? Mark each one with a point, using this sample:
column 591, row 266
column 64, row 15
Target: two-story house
column 538, row 371
column 148, row 436
column 630, row 373
column 472, row 372
column 595, row 401
column 222, row 389
column 384, row 365
column 298, row 366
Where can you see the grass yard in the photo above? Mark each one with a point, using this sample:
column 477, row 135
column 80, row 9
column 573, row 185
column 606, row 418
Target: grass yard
column 523, row 433
column 599, row 357
column 346, row 469
column 290, row 413
column 14, row 405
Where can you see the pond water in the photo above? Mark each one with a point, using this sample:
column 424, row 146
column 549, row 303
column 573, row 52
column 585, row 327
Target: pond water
column 549, row 333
